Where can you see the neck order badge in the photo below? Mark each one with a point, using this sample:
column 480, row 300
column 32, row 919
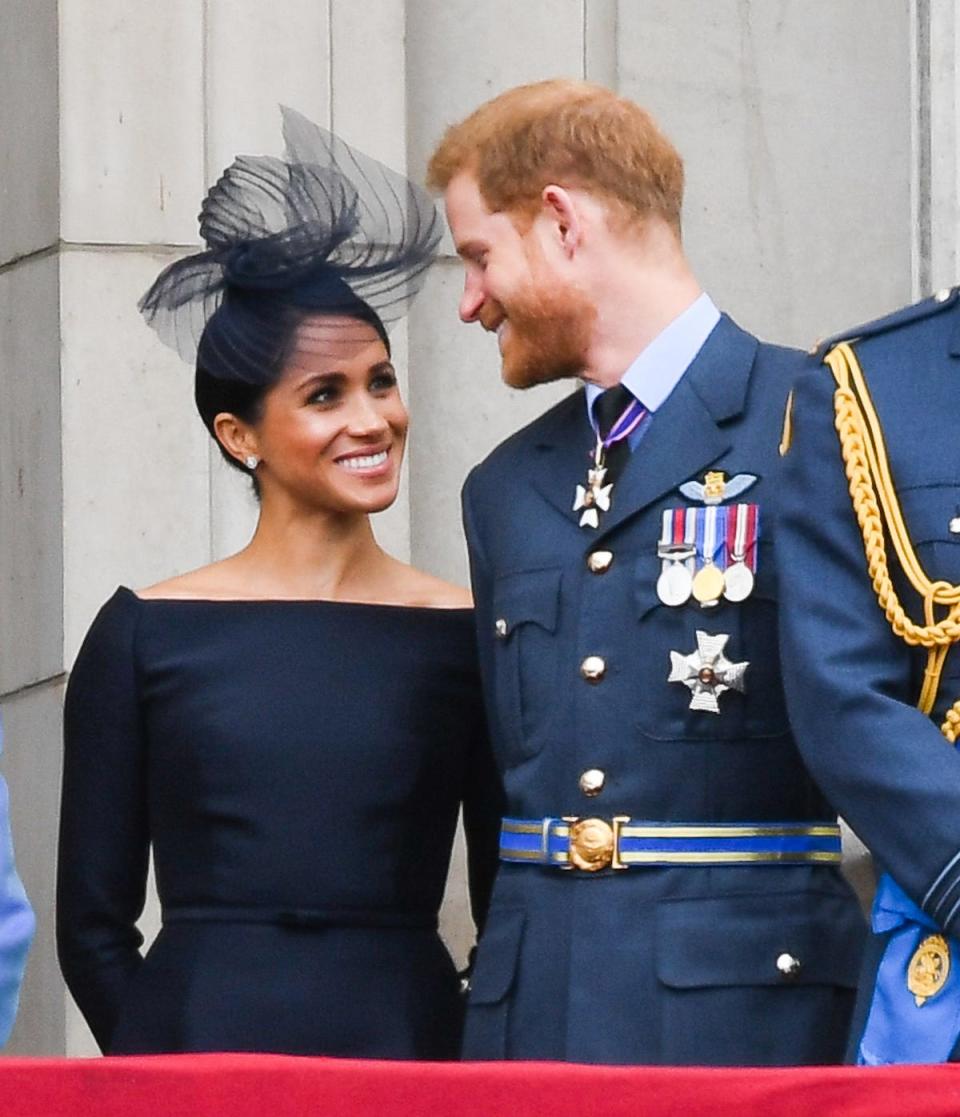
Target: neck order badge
column 618, row 416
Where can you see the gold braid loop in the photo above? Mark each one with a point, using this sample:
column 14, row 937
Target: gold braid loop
column 951, row 727
column 878, row 514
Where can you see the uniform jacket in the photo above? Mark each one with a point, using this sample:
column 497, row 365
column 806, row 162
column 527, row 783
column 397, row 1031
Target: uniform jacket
column 854, row 685
column 654, row 965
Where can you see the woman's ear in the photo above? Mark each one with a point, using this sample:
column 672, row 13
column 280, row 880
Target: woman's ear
column 237, row 437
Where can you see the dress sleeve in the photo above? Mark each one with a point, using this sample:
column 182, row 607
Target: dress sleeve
column 483, row 800
column 16, row 922
column 103, row 848
column 851, row 684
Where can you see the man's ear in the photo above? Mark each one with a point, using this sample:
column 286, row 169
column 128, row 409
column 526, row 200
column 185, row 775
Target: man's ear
column 561, row 208
column 236, row 436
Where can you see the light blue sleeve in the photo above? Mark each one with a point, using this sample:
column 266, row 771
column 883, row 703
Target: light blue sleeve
column 16, row 920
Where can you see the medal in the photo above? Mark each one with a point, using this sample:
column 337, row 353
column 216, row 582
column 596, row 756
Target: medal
column 707, row 673
column 594, row 497
column 674, row 584
column 737, row 581
column 928, row 969
column 677, row 552
column 708, row 581
column 708, row 584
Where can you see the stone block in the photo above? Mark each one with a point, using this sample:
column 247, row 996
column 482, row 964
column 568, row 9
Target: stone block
column 136, row 455
column 131, row 125
column 259, row 56
column 29, row 138
column 31, row 647
column 788, row 134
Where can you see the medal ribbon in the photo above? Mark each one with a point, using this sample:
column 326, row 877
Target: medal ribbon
column 710, row 532
column 742, row 530
column 630, row 418
column 898, row 1030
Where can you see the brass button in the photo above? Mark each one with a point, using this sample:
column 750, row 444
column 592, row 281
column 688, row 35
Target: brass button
column 599, row 561
column 500, row 627
column 593, row 668
column 592, row 781
column 788, row 966
column 942, row 295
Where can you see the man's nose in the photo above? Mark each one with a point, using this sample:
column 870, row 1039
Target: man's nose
column 471, row 300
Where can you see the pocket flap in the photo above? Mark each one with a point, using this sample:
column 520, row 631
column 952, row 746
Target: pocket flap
column 528, row 596
column 497, row 956
column 802, row 938
column 929, row 511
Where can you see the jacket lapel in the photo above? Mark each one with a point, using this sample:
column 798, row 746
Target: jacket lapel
column 685, row 436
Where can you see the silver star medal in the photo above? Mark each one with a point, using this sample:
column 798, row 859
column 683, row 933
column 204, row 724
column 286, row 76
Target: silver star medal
column 707, row 672
column 594, row 497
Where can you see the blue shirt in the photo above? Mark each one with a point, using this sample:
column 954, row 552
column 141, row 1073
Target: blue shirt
column 656, row 371
column 16, row 921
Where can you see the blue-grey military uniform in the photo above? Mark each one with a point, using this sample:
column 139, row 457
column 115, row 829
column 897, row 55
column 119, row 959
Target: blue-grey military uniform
column 854, row 684
column 680, row 963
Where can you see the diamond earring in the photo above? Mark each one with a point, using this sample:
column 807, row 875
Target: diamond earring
column 251, row 461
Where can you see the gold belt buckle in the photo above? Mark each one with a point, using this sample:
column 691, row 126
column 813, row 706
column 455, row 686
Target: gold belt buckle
column 595, row 843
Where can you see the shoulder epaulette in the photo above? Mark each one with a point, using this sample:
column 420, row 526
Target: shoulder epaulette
column 943, row 299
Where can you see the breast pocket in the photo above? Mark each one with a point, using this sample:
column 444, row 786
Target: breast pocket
column 526, row 607
column 750, row 628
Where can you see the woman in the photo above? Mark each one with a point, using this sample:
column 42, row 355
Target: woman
column 291, row 730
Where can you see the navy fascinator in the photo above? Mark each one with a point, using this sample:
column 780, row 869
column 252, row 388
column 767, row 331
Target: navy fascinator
column 326, row 229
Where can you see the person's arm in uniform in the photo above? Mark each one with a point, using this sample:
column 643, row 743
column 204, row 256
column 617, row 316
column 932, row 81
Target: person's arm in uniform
column 852, row 684
column 103, row 849
column 483, row 799
column 16, row 921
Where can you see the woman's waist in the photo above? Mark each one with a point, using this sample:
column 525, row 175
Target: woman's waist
column 298, row 915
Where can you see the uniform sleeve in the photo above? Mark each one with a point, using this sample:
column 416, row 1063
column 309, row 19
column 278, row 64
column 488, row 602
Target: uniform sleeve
column 483, row 801
column 851, row 684
column 103, row 848
column 16, row 922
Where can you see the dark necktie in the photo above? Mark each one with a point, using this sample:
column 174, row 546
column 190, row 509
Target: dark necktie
column 608, row 408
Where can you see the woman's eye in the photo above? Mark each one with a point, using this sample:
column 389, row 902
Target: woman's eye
column 383, row 382
column 323, row 396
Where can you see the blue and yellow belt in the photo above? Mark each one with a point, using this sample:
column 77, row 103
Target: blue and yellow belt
column 623, row 843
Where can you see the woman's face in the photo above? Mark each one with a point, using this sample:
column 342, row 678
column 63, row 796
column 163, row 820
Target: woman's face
column 333, row 427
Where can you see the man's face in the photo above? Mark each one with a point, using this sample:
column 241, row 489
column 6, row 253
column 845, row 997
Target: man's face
column 542, row 322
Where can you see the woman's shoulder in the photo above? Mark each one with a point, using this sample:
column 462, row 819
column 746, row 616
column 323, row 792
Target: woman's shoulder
column 420, row 589
column 207, row 583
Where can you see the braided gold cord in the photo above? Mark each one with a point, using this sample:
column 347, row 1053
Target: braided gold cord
column 876, row 507
column 951, row 727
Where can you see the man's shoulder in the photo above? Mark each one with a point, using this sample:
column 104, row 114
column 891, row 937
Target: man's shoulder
column 896, row 326
column 517, row 446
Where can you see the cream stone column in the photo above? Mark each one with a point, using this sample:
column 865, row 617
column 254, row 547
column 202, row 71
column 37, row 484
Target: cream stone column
column 31, row 628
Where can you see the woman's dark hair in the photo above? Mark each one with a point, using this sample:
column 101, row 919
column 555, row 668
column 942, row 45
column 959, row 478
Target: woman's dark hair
column 268, row 324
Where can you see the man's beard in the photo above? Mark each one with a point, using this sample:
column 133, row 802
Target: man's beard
column 548, row 334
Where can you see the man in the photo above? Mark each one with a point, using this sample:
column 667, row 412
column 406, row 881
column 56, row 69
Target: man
column 16, row 921
column 623, row 568
column 869, row 552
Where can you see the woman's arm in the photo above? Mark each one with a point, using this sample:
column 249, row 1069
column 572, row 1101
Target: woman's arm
column 104, row 842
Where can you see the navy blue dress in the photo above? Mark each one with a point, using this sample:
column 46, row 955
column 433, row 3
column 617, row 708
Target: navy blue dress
column 297, row 769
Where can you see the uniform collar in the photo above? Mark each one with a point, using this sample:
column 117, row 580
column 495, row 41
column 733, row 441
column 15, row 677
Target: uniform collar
column 656, row 371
